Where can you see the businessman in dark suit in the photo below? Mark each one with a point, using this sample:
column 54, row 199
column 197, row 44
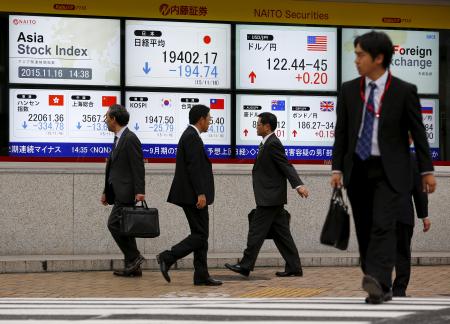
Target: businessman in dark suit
column 124, row 184
column 269, row 174
column 405, row 229
column 371, row 153
column 193, row 190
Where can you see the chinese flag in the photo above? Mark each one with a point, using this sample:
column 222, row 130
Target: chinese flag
column 108, row 101
column 56, row 100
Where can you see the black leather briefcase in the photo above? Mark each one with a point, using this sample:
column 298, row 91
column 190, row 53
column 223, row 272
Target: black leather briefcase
column 336, row 229
column 139, row 221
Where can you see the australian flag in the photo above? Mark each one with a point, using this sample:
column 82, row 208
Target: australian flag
column 278, row 105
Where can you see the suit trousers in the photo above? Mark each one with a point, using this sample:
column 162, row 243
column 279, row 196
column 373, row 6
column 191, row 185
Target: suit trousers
column 403, row 259
column 266, row 219
column 375, row 207
column 126, row 244
column 196, row 242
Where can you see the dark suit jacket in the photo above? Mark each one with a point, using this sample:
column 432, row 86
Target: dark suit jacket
column 270, row 171
column 420, row 198
column 193, row 171
column 125, row 169
column 400, row 113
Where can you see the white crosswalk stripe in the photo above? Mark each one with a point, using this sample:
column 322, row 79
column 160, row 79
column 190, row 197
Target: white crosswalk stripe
column 211, row 310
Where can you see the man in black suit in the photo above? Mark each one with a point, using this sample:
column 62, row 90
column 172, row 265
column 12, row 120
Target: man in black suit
column 269, row 174
column 124, row 184
column 193, row 190
column 405, row 229
column 371, row 152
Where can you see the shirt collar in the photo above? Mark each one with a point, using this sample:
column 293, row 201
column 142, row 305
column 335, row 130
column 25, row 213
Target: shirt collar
column 193, row 126
column 380, row 82
column 119, row 133
column 265, row 138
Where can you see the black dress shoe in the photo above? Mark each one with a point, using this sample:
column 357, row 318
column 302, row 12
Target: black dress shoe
column 163, row 267
column 125, row 273
column 289, row 274
column 135, row 264
column 208, row 282
column 375, row 291
column 237, row 268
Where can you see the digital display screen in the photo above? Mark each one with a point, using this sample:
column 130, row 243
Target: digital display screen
column 305, row 124
column 60, row 123
column 415, row 59
column 430, row 117
column 177, row 54
column 286, row 58
column 159, row 119
column 56, row 50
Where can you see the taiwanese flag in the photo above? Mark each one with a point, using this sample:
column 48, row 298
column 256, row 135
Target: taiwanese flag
column 217, row 103
column 108, row 101
column 56, row 100
column 427, row 110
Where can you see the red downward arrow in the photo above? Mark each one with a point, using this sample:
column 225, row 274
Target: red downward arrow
column 252, row 77
column 245, row 132
column 294, row 132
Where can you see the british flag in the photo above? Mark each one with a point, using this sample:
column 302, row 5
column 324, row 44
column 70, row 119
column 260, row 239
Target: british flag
column 326, row 106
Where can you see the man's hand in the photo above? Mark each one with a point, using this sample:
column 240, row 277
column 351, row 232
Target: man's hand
column 201, row 202
column 303, row 191
column 426, row 224
column 139, row 197
column 336, row 180
column 103, row 200
column 428, row 183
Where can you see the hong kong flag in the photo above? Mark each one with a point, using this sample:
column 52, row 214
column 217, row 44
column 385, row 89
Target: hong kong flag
column 108, row 101
column 56, row 100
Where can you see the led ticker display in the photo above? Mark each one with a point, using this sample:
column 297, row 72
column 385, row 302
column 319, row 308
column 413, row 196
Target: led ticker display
column 286, row 58
column 159, row 119
column 305, row 124
column 416, row 57
column 56, row 50
column 60, row 123
column 177, row 54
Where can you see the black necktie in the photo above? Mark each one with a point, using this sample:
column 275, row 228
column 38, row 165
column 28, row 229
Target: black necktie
column 261, row 145
column 114, row 145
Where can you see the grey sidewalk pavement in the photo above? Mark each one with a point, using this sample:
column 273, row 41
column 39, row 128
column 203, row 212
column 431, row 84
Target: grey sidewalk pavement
column 426, row 281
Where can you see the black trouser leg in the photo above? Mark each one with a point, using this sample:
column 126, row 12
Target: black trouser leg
column 126, row 244
column 257, row 233
column 403, row 258
column 196, row 242
column 375, row 206
column 285, row 243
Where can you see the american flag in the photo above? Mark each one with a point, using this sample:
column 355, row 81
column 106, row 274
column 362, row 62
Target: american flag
column 326, row 106
column 317, row 43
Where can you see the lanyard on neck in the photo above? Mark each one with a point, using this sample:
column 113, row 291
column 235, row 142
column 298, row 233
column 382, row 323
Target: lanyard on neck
column 363, row 96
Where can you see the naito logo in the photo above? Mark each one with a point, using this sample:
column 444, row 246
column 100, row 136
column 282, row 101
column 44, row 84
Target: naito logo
column 164, row 9
column 17, row 21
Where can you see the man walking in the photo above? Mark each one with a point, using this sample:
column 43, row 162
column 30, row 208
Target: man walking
column 124, row 184
column 371, row 153
column 270, row 171
column 193, row 190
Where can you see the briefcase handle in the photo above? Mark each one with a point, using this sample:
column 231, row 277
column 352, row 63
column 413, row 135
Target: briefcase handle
column 337, row 197
column 143, row 204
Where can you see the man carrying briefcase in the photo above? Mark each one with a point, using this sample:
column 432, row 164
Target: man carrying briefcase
column 124, row 184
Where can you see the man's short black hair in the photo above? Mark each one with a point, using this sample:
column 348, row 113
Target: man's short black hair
column 197, row 112
column 376, row 43
column 268, row 118
column 120, row 114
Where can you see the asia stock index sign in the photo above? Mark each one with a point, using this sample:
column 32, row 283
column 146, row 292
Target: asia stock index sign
column 60, row 50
